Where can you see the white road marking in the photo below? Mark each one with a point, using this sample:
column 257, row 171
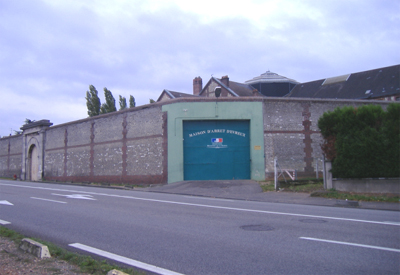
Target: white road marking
column 6, row 203
column 77, row 196
column 124, row 260
column 204, row 198
column 209, row 206
column 4, row 222
column 47, row 200
column 398, row 223
column 352, row 244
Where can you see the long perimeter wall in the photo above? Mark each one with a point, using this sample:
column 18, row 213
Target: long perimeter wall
column 122, row 147
column 131, row 146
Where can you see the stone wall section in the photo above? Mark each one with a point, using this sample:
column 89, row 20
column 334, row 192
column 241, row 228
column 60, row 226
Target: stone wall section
column 291, row 132
column 11, row 156
column 122, row 147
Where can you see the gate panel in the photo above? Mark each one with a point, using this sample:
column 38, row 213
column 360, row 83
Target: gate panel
column 216, row 149
column 34, row 164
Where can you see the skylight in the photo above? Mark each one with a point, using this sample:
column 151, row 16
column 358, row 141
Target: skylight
column 336, row 79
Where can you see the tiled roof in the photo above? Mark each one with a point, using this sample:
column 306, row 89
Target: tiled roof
column 172, row 94
column 178, row 95
column 236, row 88
column 382, row 82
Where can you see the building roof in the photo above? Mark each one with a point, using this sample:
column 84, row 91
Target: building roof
column 172, row 94
column 270, row 77
column 235, row 88
column 377, row 83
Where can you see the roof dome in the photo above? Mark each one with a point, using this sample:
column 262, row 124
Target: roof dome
column 270, row 77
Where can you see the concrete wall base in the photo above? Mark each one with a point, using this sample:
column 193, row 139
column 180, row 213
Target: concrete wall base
column 390, row 186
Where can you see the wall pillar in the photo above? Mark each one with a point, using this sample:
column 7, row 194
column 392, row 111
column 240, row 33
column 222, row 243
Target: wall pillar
column 328, row 175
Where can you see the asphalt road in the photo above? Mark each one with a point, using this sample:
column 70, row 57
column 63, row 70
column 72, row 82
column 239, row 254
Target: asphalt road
column 198, row 235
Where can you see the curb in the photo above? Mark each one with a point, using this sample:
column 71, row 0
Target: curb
column 37, row 249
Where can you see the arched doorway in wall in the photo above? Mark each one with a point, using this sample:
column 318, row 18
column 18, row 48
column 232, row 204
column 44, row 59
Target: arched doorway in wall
column 33, row 163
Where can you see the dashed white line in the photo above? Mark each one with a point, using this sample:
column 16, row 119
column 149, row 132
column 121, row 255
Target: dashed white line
column 211, row 206
column 125, row 260
column 205, row 198
column 47, row 200
column 77, row 196
column 352, row 244
column 4, row 222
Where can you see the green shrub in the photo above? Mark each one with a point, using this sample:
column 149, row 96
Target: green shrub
column 362, row 142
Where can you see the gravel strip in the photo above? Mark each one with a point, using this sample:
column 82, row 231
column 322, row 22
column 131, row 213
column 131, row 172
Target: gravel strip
column 14, row 261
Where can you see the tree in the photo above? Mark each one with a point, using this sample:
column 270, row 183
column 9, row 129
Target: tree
column 109, row 105
column 27, row 121
column 132, row 102
column 152, row 100
column 122, row 103
column 92, row 101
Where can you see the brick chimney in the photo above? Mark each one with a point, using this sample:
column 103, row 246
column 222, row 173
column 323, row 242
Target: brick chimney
column 225, row 80
column 197, row 85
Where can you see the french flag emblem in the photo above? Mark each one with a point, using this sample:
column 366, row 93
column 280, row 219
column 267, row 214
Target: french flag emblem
column 216, row 140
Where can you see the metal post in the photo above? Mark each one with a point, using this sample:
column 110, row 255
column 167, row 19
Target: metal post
column 276, row 173
column 316, row 164
column 323, row 172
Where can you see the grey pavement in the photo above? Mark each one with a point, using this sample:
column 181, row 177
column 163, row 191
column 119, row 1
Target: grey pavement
column 251, row 191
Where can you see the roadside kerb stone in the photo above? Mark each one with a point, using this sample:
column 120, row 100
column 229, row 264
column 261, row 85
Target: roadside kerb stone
column 116, row 272
column 37, row 249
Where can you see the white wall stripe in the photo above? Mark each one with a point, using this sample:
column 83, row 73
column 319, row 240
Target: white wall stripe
column 124, row 260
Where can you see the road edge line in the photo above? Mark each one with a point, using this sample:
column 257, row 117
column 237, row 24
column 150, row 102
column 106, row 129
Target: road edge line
column 124, row 260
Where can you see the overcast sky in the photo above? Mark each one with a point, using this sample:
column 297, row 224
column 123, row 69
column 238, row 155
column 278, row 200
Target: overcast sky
column 52, row 50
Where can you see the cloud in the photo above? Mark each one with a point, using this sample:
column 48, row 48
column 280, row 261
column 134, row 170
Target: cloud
column 51, row 51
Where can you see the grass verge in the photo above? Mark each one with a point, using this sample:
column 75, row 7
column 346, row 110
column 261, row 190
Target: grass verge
column 300, row 186
column 315, row 188
column 334, row 194
column 86, row 264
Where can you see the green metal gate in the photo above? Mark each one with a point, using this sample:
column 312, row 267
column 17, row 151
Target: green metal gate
column 216, row 149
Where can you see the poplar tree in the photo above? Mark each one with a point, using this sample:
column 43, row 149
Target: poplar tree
column 122, row 103
column 132, row 102
column 109, row 105
column 92, row 101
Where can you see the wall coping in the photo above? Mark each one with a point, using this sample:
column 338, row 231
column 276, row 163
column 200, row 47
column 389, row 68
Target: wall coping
column 40, row 123
column 224, row 99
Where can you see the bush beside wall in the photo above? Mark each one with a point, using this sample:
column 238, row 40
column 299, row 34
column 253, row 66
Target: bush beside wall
column 362, row 142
